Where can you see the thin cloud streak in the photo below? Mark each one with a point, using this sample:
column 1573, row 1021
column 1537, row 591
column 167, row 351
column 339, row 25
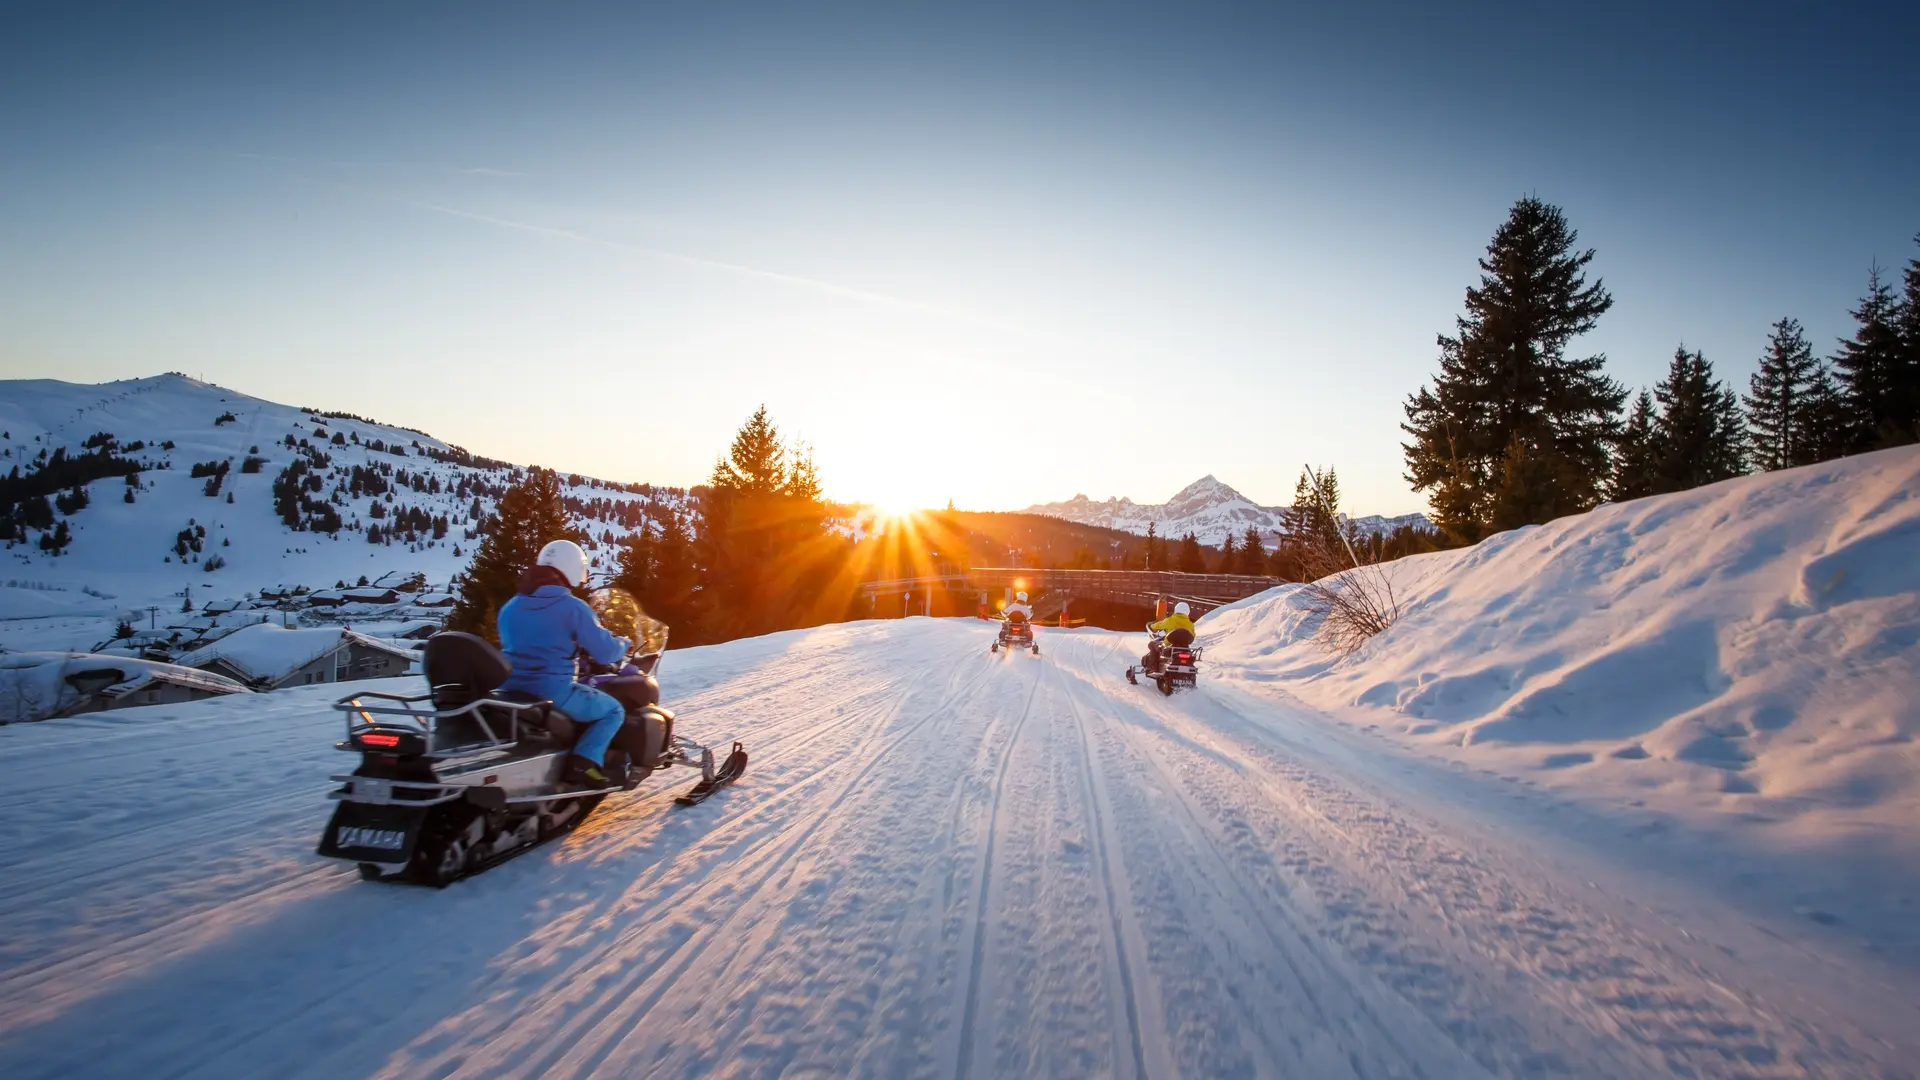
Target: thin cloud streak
column 828, row 287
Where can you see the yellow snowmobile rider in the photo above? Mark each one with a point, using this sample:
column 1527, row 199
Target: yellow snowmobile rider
column 1174, row 623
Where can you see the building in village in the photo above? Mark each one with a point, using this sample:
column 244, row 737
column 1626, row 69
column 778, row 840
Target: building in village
column 42, row 685
column 268, row 657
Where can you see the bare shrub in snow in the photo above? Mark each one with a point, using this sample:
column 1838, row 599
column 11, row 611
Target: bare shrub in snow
column 1353, row 600
column 1353, row 606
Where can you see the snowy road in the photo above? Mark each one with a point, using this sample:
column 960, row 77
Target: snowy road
column 942, row 864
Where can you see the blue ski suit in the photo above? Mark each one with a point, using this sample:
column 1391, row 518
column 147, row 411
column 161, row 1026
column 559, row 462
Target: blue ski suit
column 540, row 632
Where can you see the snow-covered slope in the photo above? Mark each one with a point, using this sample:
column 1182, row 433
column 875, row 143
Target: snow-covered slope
column 1207, row 508
column 1752, row 646
column 125, row 549
column 942, row 864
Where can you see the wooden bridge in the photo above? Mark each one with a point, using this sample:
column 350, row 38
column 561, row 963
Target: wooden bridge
column 1143, row 587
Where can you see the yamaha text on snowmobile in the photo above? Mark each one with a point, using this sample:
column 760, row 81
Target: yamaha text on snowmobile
column 462, row 777
column 1178, row 662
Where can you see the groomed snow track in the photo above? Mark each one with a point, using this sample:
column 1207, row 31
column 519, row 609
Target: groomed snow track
column 943, row 863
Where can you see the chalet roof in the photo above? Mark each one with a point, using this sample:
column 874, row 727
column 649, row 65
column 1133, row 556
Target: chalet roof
column 268, row 653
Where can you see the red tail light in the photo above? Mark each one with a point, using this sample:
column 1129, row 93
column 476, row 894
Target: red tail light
column 374, row 738
column 1184, row 657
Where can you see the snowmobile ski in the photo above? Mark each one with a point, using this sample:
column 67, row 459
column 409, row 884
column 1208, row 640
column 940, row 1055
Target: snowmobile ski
column 727, row 773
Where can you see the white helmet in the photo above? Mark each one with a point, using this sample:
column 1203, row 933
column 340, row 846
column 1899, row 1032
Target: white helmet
column 1020, row 596
column 1181, row 608
column 566, row 557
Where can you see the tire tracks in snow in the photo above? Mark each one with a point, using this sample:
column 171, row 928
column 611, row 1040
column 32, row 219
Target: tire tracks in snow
column 977, row 949
column 1524, row 975
column 1338, row 1000
column 627, row 1005
column 1125, row 939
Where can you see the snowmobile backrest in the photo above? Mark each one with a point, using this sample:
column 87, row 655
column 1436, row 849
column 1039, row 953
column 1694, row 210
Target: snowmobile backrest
column 1180, row 638
column 1016, row 617
column 462, row 668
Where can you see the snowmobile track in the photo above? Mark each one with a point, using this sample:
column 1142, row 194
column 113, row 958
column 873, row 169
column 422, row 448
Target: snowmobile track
column 940, row 867
column 653, row 982
column 1123, row 938
column 963, row 1068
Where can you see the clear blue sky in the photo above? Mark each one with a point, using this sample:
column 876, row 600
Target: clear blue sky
column 995, row 253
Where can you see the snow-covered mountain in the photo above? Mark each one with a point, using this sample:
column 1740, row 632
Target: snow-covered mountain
column 1209, row 509
column 369, row 498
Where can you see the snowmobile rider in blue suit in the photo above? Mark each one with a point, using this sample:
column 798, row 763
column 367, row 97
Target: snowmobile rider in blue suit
column 541, row 628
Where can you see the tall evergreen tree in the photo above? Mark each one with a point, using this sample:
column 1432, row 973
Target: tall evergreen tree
column 1698, row 437
column 1634, row 462
column 1907, row 325
column 1779, row 432
column 1829, row 430
column 763, row 541
column 531, row 515
column 1311, row 527
column 1512, row 431
column 1190, row 560
column 1253, row 554
column 1156, row 548
column 1871, row 367
column 1229, row 560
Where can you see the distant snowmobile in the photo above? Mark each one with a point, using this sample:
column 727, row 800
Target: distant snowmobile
column 1172, row 661
column 1016, row 632
column 463, row 777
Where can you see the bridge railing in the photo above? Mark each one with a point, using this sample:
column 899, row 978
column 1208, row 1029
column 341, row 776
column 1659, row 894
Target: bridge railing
column 1128, row 583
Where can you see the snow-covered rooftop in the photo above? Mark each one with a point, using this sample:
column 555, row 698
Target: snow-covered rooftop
column 266, row 652
column 37, row 685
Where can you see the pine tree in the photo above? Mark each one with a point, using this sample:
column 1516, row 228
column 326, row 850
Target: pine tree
column 1828, row 432
column 1190, row 560
column 1253, row 554
column 1229, row 560
column 1698, row 437
column 1156, row 547
column 756, row 464
column 531, row 515
column 1312, row 519
column 634, row 565
column 1778, row 431
column 1871, row 367
column 1633, row 463
column 1513, row 432
column 1907, row 325
column 766, row 553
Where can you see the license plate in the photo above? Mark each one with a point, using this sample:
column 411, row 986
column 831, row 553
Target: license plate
column 373, row 790
column 356, row 836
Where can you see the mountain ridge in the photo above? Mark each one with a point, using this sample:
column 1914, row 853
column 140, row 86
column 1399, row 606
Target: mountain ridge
column 1209, row 508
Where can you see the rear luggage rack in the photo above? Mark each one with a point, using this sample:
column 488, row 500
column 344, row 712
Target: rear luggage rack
column 415, row 715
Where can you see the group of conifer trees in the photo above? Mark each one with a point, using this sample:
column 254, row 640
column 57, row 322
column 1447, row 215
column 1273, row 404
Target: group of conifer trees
column 1514, row 431
column 758, row 556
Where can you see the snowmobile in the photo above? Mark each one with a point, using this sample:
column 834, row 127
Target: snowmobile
column 463, row 777
column 1015, row 633
column 1178, row 665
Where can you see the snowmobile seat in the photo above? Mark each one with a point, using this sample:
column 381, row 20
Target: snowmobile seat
column 462, row 669
column 1180, row 638
column 1017, row 618
column 537, row 725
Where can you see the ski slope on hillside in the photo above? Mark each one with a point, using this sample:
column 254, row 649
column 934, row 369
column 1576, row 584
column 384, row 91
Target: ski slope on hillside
column 942, row 863
column 124, row 550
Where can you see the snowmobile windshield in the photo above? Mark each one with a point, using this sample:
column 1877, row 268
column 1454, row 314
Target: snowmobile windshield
column 622, row 615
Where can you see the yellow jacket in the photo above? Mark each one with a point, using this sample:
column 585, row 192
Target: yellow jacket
column 1173, row 622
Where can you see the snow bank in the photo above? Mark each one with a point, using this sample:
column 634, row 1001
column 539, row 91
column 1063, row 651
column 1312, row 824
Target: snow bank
column 1754, row 644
